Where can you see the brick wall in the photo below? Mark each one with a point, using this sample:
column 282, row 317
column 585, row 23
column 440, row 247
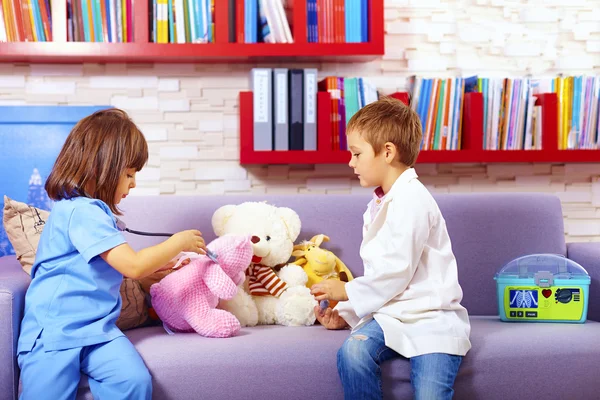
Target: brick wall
column 189, row 112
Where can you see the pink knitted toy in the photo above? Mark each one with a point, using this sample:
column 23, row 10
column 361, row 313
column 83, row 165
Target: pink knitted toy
column 185, row 300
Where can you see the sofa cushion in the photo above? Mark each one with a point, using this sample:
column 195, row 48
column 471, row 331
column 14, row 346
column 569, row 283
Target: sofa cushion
column 489, row 230
column 290, row 361
column 520, row 360
column 24, row 225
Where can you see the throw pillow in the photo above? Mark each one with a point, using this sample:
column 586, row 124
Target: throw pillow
column 23, row 225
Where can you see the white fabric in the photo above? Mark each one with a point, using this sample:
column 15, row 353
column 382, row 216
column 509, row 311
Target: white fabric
column 410, row 283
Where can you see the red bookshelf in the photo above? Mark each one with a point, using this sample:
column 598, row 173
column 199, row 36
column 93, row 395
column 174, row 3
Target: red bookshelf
column 471, row 139
column 141, row 50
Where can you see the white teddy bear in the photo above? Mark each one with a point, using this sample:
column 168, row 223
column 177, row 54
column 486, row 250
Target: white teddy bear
column 267, row 297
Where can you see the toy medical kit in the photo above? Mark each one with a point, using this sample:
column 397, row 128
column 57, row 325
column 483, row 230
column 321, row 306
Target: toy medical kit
column 123, row 227
column 543, row 288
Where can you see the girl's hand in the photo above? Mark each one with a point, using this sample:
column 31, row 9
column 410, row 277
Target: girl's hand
column 191, row 240
column 329, row 289
column 172, row 263
column 330, row 319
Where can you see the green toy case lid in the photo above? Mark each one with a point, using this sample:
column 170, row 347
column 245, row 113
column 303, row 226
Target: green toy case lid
column 544, row 268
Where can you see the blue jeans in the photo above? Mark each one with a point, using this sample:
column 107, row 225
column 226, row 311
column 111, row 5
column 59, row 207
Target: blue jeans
column 359, row 360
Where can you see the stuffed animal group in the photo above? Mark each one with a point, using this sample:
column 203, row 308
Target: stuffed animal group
column 253, row 282
column 274, row 292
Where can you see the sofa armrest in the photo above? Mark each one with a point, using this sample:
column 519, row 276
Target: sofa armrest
column 588, row 256
column 13, row 285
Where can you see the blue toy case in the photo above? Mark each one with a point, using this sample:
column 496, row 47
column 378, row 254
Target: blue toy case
column 543, row 288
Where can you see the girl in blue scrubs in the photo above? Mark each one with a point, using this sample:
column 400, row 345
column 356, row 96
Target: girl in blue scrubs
column 73, row 301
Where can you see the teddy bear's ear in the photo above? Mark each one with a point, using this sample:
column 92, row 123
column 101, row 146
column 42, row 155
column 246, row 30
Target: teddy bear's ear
column 291, row 220
column 220, row 218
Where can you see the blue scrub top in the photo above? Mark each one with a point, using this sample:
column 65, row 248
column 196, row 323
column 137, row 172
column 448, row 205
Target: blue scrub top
column 74, row 294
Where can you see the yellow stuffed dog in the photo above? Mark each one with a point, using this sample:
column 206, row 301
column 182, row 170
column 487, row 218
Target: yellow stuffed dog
column 320, row 264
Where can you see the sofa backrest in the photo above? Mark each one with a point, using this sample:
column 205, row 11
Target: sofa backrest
column 487, row 230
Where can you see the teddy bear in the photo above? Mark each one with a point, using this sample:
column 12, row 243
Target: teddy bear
column 274, row 292
column 186, row 299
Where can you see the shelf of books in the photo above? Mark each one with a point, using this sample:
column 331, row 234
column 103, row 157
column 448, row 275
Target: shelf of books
column 291, row 118
column 176, row 31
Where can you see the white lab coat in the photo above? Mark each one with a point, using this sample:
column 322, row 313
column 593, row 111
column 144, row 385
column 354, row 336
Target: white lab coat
column 410, row 283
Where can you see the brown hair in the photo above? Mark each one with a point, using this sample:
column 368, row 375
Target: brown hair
column 98, row 150
column 389, row 120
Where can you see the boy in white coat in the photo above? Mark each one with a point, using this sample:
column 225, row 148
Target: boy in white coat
column 407, row 304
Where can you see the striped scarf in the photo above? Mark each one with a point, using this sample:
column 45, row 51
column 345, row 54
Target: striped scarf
column 264, row 282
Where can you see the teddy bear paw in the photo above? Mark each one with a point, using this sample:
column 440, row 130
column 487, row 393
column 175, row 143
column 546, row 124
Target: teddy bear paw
column 296, row 307
column 293, row 275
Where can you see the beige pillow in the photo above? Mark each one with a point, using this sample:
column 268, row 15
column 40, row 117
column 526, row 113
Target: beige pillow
column 24, row 224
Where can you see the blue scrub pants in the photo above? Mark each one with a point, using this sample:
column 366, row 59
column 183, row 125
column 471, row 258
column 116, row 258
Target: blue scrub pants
column 115, row 370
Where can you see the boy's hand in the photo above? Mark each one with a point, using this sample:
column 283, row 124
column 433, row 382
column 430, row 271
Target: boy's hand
column 329, row 289
column 330, row 319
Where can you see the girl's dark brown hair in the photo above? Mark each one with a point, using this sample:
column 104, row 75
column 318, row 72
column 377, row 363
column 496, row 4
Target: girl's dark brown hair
column 96, row 153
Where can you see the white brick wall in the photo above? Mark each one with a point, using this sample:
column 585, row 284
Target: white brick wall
column 189, row 113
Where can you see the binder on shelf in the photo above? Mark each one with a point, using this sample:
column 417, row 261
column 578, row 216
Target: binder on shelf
column 310, row 109
column 323, row 155
column 296, row 111
column 262, row 88
column 280, row 109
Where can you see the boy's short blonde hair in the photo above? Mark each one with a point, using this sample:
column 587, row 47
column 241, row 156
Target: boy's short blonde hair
column 389, row 120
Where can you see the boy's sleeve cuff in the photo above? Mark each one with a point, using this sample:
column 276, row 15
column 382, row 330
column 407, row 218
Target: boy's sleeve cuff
column 352, row 299
column 346, row 311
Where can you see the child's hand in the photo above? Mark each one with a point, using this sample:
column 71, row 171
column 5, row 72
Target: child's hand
column 191, row 240
column 329, row 289
column 330, row 319
column 172, row 263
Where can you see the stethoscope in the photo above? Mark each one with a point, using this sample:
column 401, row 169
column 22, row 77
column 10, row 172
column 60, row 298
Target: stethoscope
column 123, row 227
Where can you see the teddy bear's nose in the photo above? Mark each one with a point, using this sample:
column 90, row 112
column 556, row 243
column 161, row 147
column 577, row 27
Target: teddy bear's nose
column 255, row 239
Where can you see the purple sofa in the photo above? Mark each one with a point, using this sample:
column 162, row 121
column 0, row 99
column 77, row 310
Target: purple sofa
column 507, row 360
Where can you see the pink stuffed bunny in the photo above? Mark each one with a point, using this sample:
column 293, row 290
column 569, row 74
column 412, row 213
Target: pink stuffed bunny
column 185, row 300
